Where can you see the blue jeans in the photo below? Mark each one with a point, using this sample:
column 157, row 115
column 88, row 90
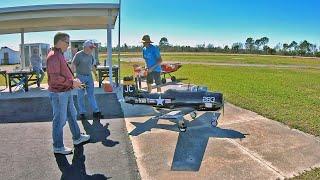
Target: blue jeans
column 88, row 80
column 40, row 73
column 63, row 109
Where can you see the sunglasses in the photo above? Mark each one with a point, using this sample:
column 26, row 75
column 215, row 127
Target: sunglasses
column 66, row 41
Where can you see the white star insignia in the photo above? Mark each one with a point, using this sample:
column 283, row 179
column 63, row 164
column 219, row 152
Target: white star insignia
column 160, row 101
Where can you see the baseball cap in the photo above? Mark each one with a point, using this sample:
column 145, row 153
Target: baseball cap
column 89, row 43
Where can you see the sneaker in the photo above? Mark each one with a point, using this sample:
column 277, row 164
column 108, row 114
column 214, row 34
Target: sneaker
column 62, row 150
column 83, row 138
column 83, row 117
column 97, row 115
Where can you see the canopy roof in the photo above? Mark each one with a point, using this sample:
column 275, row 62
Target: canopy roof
column 58, row 17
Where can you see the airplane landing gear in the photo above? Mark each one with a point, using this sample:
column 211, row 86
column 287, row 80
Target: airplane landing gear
column 214, row 120
column 193, row 115
column 163, row 80
column 173, row 79
column 182, row 126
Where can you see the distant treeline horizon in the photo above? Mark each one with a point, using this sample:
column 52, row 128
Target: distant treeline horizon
column 250, row 46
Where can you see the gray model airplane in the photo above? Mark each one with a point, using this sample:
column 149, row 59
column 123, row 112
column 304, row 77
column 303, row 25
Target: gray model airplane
column 195, row 98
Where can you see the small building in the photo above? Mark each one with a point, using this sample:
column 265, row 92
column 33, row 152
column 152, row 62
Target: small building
column 42, row 48
column 9, row 56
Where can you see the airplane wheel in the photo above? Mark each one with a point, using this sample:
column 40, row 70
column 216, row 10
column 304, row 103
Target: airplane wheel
column 173, row 79
column 163, row 80
column 214, row 122
column 193, row 115
column 182, row 126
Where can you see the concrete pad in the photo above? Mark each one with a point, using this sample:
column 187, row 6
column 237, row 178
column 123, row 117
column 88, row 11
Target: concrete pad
column 26, row 152
column 163, row 154
column 244, row 146
column 34, row 106
column 287, row 151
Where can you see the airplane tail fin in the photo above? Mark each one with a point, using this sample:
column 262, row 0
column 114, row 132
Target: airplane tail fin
column 129, row 87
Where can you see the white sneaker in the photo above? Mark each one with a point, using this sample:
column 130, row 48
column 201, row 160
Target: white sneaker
column 83, row 138
column 62, row 150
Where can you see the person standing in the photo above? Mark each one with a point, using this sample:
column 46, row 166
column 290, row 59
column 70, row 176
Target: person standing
column 36, row 65
column 151, row 55
column 84, row 63
column 61, row 82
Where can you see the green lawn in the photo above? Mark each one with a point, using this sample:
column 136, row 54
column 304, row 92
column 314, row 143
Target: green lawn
column 310, row 175
column 241, row 59
column 291, row 96
column 232, row 58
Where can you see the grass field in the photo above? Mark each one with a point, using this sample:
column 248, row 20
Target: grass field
column 291, row 96
column 310, row 175
column 232, row 58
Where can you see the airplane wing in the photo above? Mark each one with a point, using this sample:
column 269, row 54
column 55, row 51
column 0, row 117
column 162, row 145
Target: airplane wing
column 189, row 151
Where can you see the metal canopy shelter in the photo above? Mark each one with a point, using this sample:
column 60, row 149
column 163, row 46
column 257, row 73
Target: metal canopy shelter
column 61, row 17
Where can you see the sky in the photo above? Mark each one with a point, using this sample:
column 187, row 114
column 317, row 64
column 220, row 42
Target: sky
column 193, row 22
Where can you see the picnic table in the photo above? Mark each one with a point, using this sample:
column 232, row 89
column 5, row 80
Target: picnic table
column 22, row 79
column 103, row 72
column 4, row 74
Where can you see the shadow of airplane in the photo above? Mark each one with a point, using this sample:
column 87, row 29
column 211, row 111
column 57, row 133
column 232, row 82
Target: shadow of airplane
column 98, row 132
column 77, row 169
column 191, row 145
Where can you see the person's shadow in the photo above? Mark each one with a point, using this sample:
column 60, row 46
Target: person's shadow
column 98, row 132
column 77, row 169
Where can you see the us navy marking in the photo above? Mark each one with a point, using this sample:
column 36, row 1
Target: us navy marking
column 141, row 100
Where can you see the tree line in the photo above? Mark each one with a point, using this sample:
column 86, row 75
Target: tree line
column 250, row 46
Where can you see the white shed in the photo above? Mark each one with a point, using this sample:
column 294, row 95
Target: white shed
column 9, row 56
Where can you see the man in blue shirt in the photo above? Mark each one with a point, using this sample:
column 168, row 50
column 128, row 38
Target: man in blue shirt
column 151, row 55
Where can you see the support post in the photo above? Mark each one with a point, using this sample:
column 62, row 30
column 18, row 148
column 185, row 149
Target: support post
column 109, row 52
column 22, row 56
column 119, row 69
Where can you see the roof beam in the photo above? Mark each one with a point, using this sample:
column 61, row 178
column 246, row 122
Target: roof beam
column 58, row 17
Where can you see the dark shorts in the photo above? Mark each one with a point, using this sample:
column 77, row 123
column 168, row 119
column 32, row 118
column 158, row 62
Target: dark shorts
column 154, row 76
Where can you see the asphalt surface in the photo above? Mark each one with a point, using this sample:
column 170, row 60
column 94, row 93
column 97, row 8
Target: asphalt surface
column 26, row 152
